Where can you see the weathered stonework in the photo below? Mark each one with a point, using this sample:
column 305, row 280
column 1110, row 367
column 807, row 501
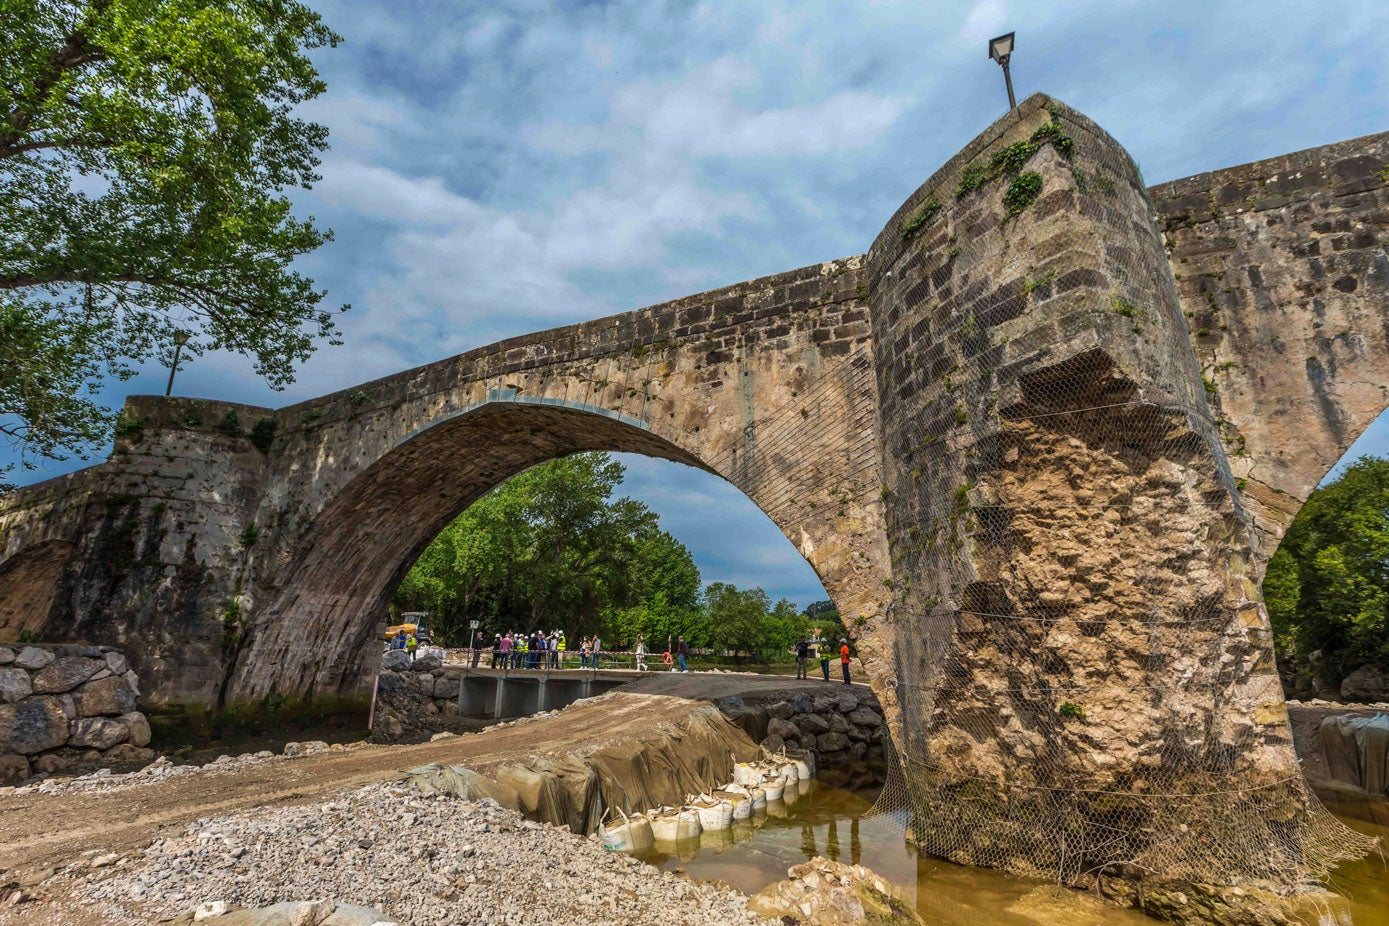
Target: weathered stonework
column 1036, row 460
column 66, row 706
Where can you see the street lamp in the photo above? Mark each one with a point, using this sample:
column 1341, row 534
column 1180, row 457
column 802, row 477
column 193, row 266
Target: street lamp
column 180, row 339
column 999, row 50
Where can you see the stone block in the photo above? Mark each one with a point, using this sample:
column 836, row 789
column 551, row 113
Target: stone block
column 847, row 702
column 14, row 685
column 98, row 733
column 784, row 729
column 802, row 704
column 116, row 663
column 6, row 655
column 773, row 743
column 389, row 681
column 13, row 769
column 132, row 682
column 55, row 763
column 864, row 717
column 831, row 742
column 813, row 724
column 139, row 728
column 78, row 649
column 426, row 663
column 33, row 725
column 66, row 673
column 108, row 696
column 446, row 687
column 31, row 657
column 395, row 660
column 839, row 725
column 781, row 710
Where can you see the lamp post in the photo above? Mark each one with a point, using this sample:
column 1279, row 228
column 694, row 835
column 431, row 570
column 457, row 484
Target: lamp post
column 1000, row 49
column 180, row 339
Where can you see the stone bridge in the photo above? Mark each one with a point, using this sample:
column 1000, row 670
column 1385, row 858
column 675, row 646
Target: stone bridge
column 1037, row 443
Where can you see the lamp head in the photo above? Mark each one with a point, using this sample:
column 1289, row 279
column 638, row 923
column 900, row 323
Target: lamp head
column 1001, row 47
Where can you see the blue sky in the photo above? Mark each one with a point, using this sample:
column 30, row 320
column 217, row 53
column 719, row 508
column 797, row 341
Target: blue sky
column 503, row 167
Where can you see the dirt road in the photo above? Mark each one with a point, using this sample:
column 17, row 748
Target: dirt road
column 43, row 831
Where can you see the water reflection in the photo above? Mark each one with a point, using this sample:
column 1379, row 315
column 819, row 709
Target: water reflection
column 830, row 823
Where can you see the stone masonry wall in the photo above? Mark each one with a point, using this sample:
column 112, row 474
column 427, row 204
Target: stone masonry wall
column 66, row 706
column 1282, row 267
column 1075, row 617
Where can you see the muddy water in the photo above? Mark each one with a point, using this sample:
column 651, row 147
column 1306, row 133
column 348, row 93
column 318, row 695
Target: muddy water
column 830, row 822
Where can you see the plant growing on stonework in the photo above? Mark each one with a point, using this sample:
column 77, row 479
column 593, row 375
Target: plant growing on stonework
column 924, row 214
column 263, row 434
column 1022, row 191
column 146, row 149
column 230, row 423
column 1071, row 711
column 249, row 536
column 129, row 427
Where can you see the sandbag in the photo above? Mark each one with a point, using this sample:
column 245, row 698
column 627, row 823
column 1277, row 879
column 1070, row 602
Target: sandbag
column 670, row 825
column 621, row 833
column 460, row 782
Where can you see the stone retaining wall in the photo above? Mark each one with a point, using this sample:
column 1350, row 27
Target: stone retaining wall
column 839, row 728
column 64, row 706
column 416, row 702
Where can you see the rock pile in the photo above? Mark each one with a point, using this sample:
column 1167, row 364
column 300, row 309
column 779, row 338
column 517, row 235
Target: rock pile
column 416, row 700
column 66, row 706
column 419, row 860
column 838, row 728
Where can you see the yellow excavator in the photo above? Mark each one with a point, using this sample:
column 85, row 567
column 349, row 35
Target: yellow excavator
column 412, row 622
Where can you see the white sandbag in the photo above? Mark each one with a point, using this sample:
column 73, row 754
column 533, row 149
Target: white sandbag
column 740, row 799
column 714, row 814
column 774, row 788
column 632, row 834
column 747, row 774
column 805, row 763
column 672, row 824
column 759, row 798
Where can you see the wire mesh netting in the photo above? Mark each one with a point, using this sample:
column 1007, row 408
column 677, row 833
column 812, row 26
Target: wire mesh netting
column 1085, row 674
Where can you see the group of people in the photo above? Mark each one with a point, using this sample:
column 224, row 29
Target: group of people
column 538, row 650
column 535, row 650
column 808, row 650
column 405, row 641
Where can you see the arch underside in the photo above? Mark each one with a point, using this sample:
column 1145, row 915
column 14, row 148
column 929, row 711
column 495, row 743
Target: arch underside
column 28, row 584
column 322, row 608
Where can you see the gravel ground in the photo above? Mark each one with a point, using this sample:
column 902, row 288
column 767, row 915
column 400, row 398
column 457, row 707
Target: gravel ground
column 423, row 861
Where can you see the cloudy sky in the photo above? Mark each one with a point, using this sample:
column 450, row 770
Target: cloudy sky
column 503, row 167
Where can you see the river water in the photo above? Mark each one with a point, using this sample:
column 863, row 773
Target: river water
column 830, row 822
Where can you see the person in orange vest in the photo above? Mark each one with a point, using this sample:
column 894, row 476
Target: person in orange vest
column 844, row 658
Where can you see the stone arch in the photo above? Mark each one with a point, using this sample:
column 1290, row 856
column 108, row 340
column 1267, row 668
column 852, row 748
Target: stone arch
column 314, row 628
column 28, row 584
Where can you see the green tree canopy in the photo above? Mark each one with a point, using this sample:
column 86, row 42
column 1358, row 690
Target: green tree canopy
column 1327, row 586
column 551, row 548
column 144, row 149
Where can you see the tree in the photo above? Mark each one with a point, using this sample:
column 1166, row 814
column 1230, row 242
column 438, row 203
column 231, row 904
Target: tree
column 1327, row 586
column 736, row 617
column 144, row 149
column 552, row 548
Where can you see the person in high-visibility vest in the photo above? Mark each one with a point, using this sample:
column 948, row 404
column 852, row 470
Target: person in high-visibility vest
column 557, row 657
column 411, row 644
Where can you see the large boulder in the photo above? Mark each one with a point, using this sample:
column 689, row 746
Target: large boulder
column 395, row 660
column 33, row 658
column 116, row 663
column 98, row 733
column 32, row 725
column 13, row 769
column 781, row 709
column 427, row 663
column 108, row 697
column 862, row 716
column 66, row 673
column 14, row 685
column 6, row 655
column 138, row 726
column 783, row 728
column 831, row 742
column 813, row 724
column 1366, row 684
column 446, row 687
column 802, row 704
